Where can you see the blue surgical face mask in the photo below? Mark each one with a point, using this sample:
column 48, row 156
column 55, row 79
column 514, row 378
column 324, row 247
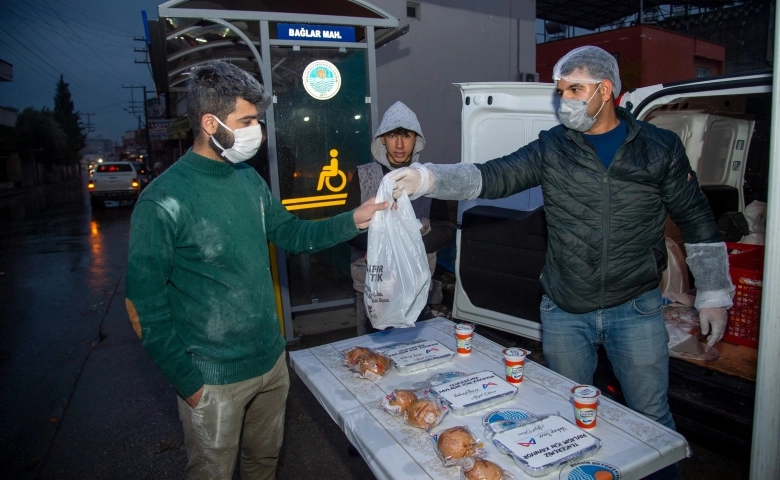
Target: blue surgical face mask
column 574, row 113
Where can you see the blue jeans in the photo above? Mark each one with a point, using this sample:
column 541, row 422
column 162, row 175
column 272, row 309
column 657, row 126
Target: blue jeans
column 635, row 338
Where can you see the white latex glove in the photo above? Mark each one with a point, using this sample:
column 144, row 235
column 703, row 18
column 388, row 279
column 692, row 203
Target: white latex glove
column 414, row 180
column 714, row 319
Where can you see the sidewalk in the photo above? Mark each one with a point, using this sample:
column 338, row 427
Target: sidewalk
column 12, row 191
column 122, row 422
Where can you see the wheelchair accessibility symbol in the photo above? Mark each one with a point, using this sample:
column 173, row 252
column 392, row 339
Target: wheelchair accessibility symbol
column 331, row 171
column 330, row 177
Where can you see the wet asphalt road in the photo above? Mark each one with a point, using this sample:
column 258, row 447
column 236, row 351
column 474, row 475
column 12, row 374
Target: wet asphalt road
column 80, row 398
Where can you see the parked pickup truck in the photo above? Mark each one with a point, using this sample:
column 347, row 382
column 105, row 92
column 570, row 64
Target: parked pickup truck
column 501, row 244
column 117, row 181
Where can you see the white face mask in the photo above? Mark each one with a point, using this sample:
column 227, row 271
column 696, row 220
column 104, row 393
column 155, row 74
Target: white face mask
column 245, row 144
column 574, row 113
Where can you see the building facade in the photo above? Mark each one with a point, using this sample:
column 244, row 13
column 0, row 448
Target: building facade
column 642, row 52
column 452, row 41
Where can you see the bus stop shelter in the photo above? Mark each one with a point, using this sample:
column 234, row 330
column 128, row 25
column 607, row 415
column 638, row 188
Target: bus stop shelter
column 318, row 61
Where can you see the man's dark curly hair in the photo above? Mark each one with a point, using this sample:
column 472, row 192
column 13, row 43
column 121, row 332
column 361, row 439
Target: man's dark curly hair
column 214, row 87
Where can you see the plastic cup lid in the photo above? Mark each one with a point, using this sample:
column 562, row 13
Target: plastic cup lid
column 585, row 392
column 467, row 463
column 516, row 354
column 464, row 328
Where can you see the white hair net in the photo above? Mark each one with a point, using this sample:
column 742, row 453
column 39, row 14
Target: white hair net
column 588, row 64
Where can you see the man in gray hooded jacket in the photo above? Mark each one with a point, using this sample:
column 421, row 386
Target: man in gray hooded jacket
column 397, row 143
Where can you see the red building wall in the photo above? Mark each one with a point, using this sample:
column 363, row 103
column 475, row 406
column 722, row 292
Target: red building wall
column 646, row 55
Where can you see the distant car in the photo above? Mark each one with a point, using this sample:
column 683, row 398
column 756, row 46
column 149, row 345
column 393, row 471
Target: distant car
column 118, row 181
column 145, row 174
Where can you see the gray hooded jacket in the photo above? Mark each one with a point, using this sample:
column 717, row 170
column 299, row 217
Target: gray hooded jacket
column 370, row 175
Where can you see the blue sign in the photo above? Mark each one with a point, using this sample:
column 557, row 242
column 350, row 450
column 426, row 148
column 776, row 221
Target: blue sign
column 314, row 33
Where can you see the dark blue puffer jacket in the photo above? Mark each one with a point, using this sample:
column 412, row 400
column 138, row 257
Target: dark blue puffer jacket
column 605, row 243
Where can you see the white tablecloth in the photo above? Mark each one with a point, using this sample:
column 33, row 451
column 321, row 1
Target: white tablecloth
column 631, row 444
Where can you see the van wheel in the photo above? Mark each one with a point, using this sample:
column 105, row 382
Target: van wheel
column 97, row 204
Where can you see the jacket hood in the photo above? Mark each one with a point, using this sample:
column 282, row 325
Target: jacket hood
column 398, row 115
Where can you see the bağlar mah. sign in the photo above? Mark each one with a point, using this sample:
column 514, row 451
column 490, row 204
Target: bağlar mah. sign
column 317, row 33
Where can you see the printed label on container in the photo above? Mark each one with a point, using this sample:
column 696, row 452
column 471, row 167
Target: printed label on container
column 546, row 442
column 472, row 389
column 586, row 416
column 464, row 344
column 414, row 353
column 515, row 373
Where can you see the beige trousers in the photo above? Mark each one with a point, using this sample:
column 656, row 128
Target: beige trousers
column 247, row 415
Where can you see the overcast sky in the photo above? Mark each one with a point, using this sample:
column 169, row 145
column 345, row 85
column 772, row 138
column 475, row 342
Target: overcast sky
column 90, row 42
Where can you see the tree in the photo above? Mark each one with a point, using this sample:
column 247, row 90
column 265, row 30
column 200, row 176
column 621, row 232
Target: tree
column 38, row 131
column 68, row 119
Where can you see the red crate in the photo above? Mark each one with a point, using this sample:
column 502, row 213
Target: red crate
column 744, row 316
column 746, row 256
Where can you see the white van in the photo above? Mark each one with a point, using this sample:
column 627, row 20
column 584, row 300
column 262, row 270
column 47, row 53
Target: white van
column 724, row 125
column 113, row 181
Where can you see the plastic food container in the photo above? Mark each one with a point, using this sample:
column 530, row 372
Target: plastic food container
column 541, row 447
column 474, row 392
column 410, row 357
column 514, row 359
column 463, row 334
column 586, row 403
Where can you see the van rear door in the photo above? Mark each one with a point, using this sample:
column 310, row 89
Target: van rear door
column 501, row 243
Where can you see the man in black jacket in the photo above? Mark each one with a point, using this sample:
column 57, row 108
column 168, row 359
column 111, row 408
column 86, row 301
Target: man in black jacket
column 608, row 181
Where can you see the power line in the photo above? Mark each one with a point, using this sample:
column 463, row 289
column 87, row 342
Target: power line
column 68, row 7
column 115, row 113
column 45, row 38
column 82, row 40
column 35, row 54
column 28, row 63
column 103, row 39
column 51, row 60
column 84, row 90
column 43, row 23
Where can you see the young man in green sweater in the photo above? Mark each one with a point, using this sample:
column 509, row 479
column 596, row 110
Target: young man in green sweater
column 199, row 289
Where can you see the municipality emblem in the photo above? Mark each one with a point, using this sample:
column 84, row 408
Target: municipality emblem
column 590, row 470
column 321, row 79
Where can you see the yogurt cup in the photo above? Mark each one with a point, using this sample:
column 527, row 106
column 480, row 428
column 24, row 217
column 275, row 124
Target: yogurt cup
column 463, row 334
column 514, row 359
column 586, row 400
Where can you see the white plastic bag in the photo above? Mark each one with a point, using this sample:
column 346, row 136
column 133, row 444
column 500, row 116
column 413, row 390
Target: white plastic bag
column 397, row 274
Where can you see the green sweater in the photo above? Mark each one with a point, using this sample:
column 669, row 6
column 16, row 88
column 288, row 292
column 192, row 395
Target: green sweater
column 199, row 274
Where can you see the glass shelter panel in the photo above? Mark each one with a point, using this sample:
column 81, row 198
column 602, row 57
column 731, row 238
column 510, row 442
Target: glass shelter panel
column 319, row 144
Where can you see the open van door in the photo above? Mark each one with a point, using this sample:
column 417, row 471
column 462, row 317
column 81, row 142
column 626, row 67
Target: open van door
column 710, row 118
column 501, row 243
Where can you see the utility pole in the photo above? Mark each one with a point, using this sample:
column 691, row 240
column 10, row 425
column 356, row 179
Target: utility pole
column 142, row 50
column 133, row 106
column 88, row 128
